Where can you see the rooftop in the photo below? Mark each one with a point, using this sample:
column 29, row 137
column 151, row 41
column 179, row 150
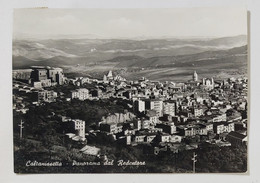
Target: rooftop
column 237, row 135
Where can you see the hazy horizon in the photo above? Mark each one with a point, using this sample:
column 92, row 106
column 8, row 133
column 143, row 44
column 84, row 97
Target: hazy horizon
column 176, row 23
column 87, row 36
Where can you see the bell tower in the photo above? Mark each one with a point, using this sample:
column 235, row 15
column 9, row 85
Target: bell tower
column 195, row 76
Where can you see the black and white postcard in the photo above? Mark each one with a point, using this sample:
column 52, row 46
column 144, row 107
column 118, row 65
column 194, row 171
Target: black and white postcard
column 130, row 90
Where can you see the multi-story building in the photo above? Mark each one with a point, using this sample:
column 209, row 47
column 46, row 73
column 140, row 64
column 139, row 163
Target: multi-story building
column 37, row 84
column 197, row 112
column 39, row 73
column 111, row 128
column 139, row 106
column 56, row 75
column 223, row 127
column 209, row 126
column 192, row 130
column 155, row 104
column 152, row 117
column 45, row 96
column 42, row 84
column 169, row 108
column 46, row 82
column 81, row 94
column 139, row 138
column 22, row 74
column 164, row 137
column 79, row 128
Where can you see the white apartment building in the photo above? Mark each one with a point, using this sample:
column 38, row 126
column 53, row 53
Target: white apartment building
column 81, row 94
column 169, row 108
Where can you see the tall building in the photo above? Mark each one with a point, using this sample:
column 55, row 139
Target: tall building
column 139, row 106
column 79, row 127
column 169, row 108
column 195, row 76
column 56, row 75
column 156, row 105
column 39, row 74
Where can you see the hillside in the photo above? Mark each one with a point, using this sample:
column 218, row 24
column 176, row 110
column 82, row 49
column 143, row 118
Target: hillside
column 158, row 59
column 105, row 49
column 235, row 55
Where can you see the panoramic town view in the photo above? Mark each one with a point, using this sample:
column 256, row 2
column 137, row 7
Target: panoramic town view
column 93, row 104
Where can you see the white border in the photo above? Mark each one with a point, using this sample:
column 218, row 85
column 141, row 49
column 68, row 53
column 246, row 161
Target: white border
column 6, row 152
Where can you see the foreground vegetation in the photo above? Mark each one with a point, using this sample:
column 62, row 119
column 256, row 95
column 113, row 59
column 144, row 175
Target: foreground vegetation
column 44, row 141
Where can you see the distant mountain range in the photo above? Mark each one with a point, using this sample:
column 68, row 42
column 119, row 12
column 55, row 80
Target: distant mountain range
column 199, row 54
column 232, row 56
column 103, row 49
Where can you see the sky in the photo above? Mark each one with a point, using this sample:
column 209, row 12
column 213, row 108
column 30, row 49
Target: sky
column 130, row 23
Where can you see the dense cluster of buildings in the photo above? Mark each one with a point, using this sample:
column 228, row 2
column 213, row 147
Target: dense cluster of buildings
column 40, row 76
column 32, row 85
column 164, row 116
